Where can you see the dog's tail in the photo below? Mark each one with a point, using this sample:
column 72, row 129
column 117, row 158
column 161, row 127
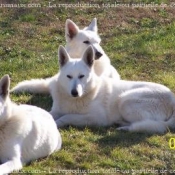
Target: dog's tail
column 33, row 86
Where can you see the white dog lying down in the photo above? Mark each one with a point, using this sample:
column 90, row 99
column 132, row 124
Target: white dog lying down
column 26, row 132
column 80, row 98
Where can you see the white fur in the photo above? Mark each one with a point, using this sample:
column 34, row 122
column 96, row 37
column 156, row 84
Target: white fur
column 75, row 46
column 102, row 101
column 26, row 132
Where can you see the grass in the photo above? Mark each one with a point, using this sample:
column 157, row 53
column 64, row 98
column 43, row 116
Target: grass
column 140, row 43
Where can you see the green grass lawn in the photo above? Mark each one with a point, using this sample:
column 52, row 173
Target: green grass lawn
column 141, row 45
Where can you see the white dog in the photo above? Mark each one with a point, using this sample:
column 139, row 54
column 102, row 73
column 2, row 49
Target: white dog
column 77, row 42
column 26, row 132
column 81, row 98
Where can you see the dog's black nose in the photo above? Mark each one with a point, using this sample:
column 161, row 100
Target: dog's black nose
column 98, row 55
column 74, row 93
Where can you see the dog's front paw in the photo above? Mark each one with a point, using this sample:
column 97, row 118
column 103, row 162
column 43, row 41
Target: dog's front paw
column 124, row 128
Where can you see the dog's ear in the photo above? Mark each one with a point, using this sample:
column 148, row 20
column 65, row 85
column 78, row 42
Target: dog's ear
column 93, row 25
column 4, row 86
column 71, row 29
column 88, row 56
column 63, row 56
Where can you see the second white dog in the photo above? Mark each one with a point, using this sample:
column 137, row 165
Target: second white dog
column 77, row 41
column 26, row 132
column 81, row 98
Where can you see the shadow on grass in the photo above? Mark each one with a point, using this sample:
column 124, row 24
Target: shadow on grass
column 110, row 136
column 41, row 100
column 122, row 139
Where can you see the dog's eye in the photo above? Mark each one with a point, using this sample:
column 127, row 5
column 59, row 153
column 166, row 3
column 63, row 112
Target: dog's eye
column 68, row 76
column 81, row 76
column 86, row 42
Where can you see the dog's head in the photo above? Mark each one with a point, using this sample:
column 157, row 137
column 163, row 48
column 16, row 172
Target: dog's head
column 4, row 93
column 77, row 41
column 76, row 74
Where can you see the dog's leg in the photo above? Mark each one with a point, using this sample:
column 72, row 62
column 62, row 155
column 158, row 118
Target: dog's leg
column 12, row 157
column 149, row 126
column 55, row 114
column 10, row 166
column 80, row 120
column 144, row 110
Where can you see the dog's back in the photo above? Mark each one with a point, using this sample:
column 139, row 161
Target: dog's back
column 41, row 132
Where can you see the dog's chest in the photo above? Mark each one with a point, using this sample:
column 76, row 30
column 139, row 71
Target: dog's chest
column 74, row 106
